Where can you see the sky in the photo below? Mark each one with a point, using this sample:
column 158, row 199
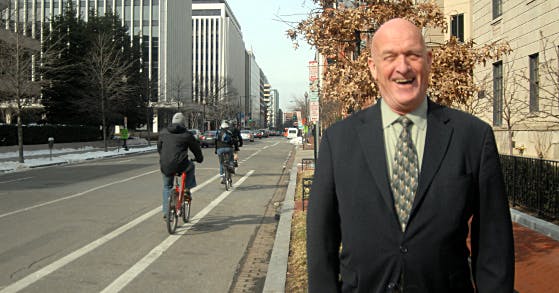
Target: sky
column 264, row 24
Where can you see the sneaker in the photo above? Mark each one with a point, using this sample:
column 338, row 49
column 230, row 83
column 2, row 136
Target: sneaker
column 236, row 164
column 222, row 180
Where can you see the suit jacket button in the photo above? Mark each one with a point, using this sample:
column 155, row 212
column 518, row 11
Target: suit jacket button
column 403, row 249
column 391, row 285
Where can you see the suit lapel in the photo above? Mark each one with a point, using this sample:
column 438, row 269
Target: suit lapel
column 371, row 139
column 437, row 141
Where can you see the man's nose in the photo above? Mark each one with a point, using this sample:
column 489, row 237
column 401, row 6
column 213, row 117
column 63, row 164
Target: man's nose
column 402, row 64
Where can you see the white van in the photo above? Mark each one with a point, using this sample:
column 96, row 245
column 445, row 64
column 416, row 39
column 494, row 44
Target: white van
column 292, row 132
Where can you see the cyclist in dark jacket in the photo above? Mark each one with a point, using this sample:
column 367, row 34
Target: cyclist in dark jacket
column 173, row 145
column 238, row 142
column 224, row 144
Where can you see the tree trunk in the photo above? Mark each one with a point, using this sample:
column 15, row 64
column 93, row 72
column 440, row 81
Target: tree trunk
column 510, row 133
column 20, row 137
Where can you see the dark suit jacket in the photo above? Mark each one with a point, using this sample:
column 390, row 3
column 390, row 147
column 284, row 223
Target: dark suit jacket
column 351, row 204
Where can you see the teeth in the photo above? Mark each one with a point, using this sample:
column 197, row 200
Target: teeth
column 403, row 80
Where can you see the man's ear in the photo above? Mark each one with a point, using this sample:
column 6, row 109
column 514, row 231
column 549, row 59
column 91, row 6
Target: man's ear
column 372, row 67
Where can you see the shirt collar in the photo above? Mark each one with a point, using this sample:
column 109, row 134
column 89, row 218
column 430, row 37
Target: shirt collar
column 418, row 116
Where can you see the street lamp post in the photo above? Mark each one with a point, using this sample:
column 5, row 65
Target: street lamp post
column 204, row 109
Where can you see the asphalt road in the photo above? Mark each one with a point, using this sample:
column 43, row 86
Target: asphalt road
column 97, row 226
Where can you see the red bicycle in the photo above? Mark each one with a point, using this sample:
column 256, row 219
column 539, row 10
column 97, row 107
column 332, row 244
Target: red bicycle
column 178, row 204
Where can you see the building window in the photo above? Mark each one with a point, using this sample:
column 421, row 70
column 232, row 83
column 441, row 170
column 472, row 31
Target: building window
column 498, row 93
column 497, row 8
column 457, row 26
column 534, row 83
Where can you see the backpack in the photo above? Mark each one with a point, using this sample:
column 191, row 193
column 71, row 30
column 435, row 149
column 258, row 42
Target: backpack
column 225, row 137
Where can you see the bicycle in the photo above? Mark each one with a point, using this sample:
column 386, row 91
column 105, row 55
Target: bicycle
column 178, row 204
column 228, row 169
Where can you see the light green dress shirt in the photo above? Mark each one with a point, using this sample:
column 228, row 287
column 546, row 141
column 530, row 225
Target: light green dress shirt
column 392, row 131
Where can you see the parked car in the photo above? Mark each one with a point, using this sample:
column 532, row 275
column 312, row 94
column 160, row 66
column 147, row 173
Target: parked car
column 292, row 132
column 207, row 139
column 196, row 133
column 247, row 135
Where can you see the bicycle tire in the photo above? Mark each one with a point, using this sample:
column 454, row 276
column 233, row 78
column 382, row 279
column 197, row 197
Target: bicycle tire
column 172, row 217
column 226, row 175
column 185, row 211
column 229, row 180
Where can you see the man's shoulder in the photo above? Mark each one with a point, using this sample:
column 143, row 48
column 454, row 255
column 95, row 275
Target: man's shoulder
column 457, row 117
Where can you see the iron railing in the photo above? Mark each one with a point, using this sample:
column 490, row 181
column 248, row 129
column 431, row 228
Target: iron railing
column 532, row 184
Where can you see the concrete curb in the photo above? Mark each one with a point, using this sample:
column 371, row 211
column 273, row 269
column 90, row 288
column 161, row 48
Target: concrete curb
column 277, row 267
column 548, row 229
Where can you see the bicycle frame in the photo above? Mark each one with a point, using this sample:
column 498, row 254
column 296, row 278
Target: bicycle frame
column 226, row 164
column 180, row 191
column 178, row 204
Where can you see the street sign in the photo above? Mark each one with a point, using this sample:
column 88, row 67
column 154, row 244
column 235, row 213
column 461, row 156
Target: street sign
column 313, row 70
column 313, row 97
column 314, row 110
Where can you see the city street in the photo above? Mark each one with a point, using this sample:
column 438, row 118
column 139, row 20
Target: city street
column 97, row 226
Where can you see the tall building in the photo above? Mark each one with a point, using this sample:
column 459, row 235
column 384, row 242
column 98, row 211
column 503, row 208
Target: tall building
column 164, row 26
column 273, row 108
column 254, row 91
column 218, row 57
column 264, row 99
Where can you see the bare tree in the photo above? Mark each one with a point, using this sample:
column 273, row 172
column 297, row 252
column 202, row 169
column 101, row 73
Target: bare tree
column 548, row 81
column 107, row 69
column 179, row 92
column 16, row 83
column 20, row 74
column 514, row 108
column 221, row 101
column 542, row 142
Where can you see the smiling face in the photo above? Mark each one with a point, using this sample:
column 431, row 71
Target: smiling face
column 400, row 65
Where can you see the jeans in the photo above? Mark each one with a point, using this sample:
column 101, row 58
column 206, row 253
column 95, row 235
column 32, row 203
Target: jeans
column 221, row 151
column 168, row 185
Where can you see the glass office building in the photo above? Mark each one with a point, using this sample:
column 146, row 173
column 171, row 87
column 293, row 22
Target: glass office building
column 165, row 28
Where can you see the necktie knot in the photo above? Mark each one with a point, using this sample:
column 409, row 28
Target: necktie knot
column 405, row 121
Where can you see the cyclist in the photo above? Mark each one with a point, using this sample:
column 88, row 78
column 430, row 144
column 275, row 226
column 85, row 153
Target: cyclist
column 238, row 142
column 224, row 144
column 173, row 145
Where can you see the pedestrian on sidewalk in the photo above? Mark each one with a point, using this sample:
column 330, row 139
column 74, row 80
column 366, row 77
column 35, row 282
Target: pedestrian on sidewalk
column 390, row 212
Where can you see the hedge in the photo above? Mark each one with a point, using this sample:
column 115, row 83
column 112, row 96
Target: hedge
column 39, row 134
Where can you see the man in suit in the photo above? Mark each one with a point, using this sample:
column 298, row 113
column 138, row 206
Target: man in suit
column 391, row 211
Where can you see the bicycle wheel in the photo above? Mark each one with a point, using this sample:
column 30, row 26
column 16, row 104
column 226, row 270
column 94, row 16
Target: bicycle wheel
column 226, row 177
column 185, row 211
column 229, row 179
column 172, row 217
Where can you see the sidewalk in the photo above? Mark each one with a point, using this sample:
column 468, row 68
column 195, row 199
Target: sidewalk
column 536, row 246
column 65, row 153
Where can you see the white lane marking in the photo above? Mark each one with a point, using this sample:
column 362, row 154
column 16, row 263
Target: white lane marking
column 157, row 251
column 15, row 180
column 74, row 195
column 36, row 276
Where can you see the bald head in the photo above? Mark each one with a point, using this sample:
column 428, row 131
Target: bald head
column 400, row 65
column 396, row 27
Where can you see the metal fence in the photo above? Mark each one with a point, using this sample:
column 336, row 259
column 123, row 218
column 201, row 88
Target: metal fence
column 532, row 184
